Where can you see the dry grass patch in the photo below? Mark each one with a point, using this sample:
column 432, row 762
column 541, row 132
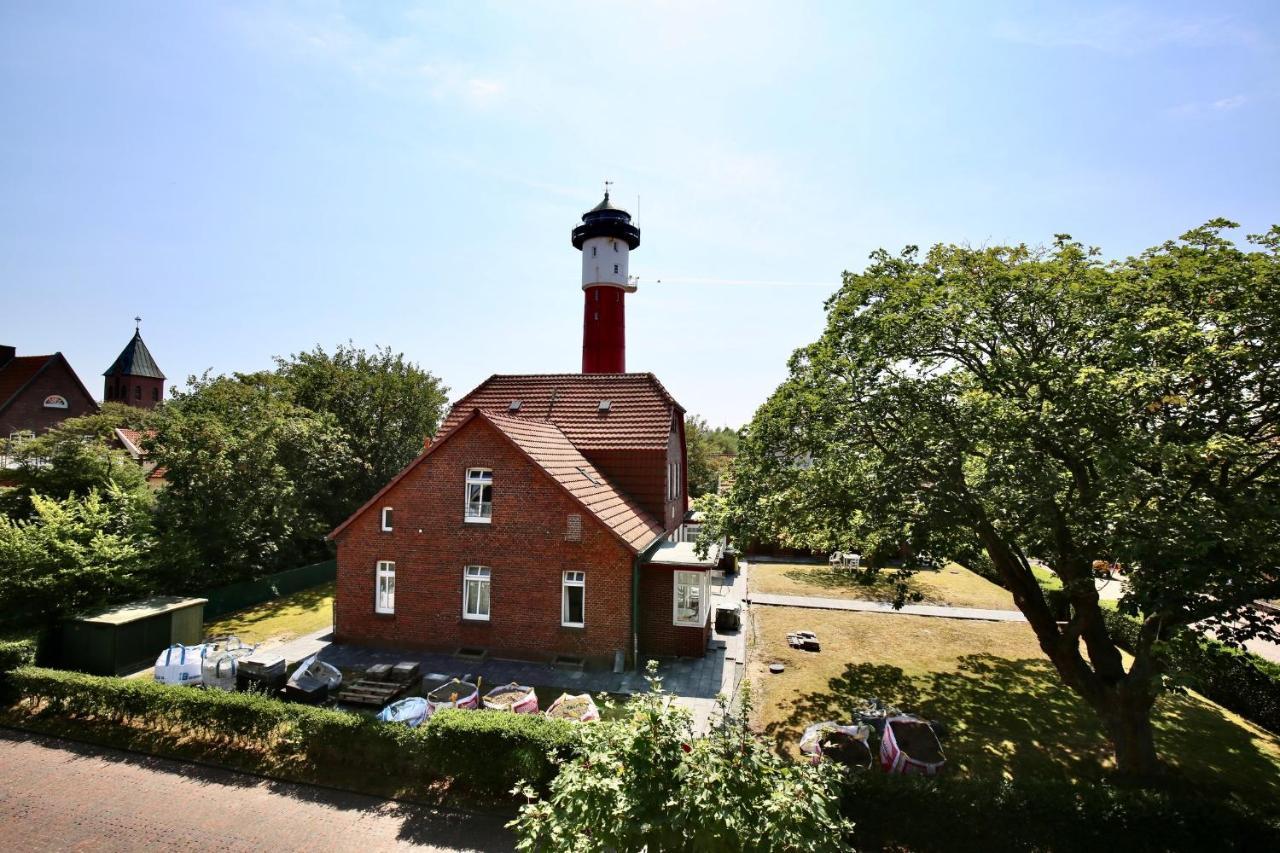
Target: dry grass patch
column 951, row 585
column 1004, row 705
column 279, row 620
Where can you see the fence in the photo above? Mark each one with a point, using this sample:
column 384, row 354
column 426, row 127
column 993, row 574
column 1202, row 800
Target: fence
column 238, row 596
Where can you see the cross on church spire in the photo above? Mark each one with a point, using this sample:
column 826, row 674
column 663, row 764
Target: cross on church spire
column 137, row 324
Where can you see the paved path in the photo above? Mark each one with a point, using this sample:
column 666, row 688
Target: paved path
column 58, row 795
column 881, row 607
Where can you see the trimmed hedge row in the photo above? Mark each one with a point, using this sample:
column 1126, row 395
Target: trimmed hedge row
column 950, row 814
column 485, row 751
column 1242, row 682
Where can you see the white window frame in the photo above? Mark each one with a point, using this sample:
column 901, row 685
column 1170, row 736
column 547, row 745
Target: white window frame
column 384, row 603
column 679, row 579
column 382, row 518
column 476, row 477
column 480, row 576
column 572, row 580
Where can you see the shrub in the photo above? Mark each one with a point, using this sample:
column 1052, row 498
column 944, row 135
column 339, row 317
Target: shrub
column 485, row 751
column 16, row 653
column 495, row 750
column 1244, row 683
column 645, row 782
column 949, row 814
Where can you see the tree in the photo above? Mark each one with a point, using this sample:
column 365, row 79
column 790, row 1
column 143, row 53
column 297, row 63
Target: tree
column 709, row 453
column 75, row 552
column 1047, row 404
column 74, row 458
column 386, row 405
column 254, row 480
column 644, row 782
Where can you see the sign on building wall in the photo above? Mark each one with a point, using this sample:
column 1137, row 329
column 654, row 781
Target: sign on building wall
column 55, row 401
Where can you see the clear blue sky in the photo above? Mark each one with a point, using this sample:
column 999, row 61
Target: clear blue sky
column 255, row 179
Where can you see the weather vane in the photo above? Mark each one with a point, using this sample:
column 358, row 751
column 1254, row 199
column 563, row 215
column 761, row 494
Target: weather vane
column 607, row 184
column 137, row 324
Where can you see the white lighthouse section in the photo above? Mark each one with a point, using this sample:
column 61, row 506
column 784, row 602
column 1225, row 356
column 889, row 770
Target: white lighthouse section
column 604, row 262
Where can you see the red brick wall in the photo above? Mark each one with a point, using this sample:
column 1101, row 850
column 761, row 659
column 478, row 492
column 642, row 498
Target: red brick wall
column 524, row 547
column 141, row 391
column 659, row 636
column 639, row 473
column 28, row 412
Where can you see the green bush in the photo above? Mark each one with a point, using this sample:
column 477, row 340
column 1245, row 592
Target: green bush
column 1242, row 682
column 950, row 814
column 486, row 751
column 16, row 653
column 494, row 750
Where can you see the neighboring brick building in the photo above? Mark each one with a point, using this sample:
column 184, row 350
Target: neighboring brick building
column 38, row 392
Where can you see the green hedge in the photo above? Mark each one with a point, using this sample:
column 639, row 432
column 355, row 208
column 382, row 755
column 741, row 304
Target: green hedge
column 950, row 814
column 1242, row 682
column 16, row 653
column 486, row 751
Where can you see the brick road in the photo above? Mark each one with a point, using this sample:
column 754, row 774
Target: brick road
column 57, row 795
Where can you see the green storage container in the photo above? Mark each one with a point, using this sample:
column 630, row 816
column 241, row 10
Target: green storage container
column 129, row 637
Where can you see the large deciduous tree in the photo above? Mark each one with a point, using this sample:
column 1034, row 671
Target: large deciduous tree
column 1047, row 404
column 386, row 405
column 254, row 480
column 75, row 552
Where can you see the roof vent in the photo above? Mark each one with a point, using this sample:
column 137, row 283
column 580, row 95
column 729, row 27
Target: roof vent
column 513, row 406
column 605, row 406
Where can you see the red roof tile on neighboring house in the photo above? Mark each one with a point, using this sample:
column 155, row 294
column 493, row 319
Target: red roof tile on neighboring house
column 551, row 449
column 638, row 418
column 17, row 372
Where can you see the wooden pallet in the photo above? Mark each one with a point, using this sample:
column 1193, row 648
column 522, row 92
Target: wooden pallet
column 368, row 692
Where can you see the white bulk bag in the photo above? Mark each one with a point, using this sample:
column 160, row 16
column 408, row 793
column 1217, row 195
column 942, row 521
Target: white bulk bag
column 180, row 664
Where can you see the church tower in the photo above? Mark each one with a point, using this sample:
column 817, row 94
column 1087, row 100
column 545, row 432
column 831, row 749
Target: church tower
column 135, row 378
column 605, row 238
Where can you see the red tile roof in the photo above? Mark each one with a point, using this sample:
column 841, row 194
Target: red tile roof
column 639, row 415
column 17, row 372
column 551, row 450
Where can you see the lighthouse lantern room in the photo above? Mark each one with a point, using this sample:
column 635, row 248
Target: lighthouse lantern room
column 605, row 238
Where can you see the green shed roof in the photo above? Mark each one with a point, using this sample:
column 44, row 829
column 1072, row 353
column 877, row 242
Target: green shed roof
column 123, row 614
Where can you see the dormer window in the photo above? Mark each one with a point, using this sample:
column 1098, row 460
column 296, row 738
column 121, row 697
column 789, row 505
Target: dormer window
column 386, row 519
column 479, row 507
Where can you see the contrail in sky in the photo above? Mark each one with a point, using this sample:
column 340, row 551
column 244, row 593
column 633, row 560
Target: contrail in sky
column 747, row 281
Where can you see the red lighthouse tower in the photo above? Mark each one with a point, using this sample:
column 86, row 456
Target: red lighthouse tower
column 605, row 238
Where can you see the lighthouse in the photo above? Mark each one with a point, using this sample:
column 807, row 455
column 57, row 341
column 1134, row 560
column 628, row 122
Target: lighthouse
column 605, row 238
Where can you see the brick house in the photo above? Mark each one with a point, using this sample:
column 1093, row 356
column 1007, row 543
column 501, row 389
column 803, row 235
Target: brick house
column 536, row 525
column 38, row 392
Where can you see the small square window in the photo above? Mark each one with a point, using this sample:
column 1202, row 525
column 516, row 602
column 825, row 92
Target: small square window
column 386, row 518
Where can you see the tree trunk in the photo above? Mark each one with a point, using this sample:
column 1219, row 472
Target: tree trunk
column 1129, row 726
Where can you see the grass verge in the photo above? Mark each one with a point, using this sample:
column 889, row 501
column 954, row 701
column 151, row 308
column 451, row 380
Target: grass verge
column 952, row 585
column 279, row 620
column 1007, row 711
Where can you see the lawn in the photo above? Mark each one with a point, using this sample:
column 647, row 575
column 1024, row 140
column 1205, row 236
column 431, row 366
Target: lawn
column 953, row 584
column 1006, row 710
column 279, row 620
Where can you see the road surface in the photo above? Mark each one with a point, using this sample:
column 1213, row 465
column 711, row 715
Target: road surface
column 58, row 795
